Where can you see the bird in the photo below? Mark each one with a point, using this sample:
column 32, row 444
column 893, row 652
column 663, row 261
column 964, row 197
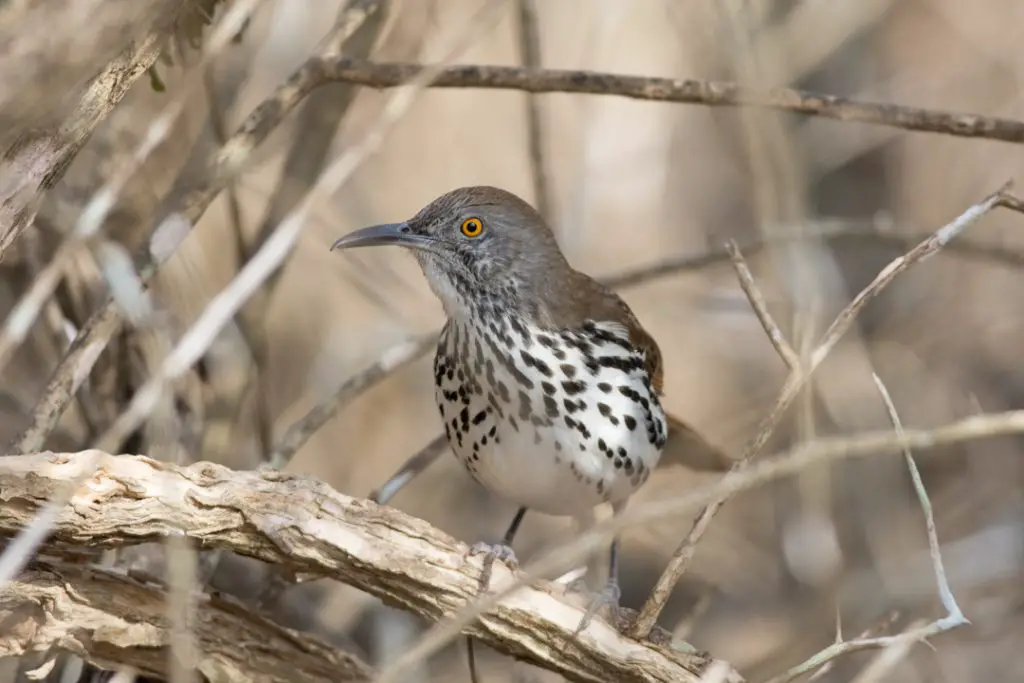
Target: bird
column 548, row 386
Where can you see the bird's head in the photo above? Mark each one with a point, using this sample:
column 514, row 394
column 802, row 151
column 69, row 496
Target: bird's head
column 477, row 246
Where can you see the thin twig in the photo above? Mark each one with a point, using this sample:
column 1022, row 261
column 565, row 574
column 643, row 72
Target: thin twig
column 789, row 356
column 530, row 54
column 954, row 616
column 798, row 377
column 412, row 467
column 684, row 91
column 299, row 432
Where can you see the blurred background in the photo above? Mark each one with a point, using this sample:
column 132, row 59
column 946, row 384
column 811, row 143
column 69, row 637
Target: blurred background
column 625, row 184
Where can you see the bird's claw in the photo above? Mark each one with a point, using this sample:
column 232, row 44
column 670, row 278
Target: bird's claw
column 608, row 597
column 496, row 551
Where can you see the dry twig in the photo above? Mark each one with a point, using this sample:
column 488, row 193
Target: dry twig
column 798, row 377
column 683, row 91
column 530, row 54
column 954, row 617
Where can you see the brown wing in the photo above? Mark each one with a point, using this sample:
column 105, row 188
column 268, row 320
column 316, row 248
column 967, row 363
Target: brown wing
column 590, row 299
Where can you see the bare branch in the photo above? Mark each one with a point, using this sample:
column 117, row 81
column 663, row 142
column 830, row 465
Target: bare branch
column 954, row 617
column 298, row 432
column 39, row 162
column 310, row 528
column 112, row 620
column 529, row 53
column 789, row 356
column 798, row 377
column 419, row 461
column 683, row 91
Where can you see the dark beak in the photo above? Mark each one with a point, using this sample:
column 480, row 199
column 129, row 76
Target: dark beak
column 397, row 234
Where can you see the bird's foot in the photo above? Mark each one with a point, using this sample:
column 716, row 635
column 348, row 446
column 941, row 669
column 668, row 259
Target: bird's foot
column 492, row 552
column 608, row 597
column 497, row 551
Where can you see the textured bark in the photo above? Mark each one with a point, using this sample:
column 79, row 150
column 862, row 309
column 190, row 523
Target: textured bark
column 307, row 527
column 111, row 620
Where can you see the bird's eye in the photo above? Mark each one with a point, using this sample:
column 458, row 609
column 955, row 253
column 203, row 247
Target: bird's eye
column 472, row 227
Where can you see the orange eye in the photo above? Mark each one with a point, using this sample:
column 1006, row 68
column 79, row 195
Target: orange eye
column 472, row 227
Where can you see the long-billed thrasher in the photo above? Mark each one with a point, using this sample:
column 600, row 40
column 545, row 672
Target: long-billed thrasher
column 547, row 384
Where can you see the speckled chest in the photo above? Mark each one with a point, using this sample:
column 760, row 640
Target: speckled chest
column 555, row 420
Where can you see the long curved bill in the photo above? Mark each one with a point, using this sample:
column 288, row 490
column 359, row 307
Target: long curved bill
column 397, row 234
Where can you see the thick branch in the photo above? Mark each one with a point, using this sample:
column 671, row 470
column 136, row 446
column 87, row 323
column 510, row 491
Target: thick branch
column 111, row 620
column 683, row 91
column 310, row 528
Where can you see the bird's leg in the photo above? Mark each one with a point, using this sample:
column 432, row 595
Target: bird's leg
column 500, row 551
column 608, row 596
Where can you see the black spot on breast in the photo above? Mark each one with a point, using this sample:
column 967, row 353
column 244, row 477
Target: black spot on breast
column 568, row 369
column 546, row 341
column 503, row 392
column 520, row 329
column 570, row 406
column 604, row 409
column 525, row 406
column 548, row 388
column 629, row 393
column 630, row 422
column 550, row 406
column 574, row 387
column 558, row 353
column 480, row 417
column 479, row 359
column 604, row 386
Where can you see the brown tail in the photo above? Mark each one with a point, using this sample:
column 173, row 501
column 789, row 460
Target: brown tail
column 688, row 448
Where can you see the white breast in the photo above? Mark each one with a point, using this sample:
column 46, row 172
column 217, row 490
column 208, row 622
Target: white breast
column 555, row 422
